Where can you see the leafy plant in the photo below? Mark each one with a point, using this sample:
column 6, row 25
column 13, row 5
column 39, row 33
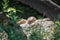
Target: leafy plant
column 5, row 5
column 14, row 11
column 10, row 12
column 57, row 32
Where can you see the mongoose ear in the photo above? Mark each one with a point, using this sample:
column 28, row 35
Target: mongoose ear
column 22, row 21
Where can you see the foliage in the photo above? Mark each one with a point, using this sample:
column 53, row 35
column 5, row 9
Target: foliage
column 14, row 13
column 16, row 10
column 57, row 32
column 5, row 5
column 38, row 33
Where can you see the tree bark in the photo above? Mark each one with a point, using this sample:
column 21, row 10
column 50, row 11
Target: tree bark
column 46, row 7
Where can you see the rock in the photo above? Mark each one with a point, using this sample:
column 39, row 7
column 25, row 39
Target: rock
column 44, row 27
column 3, row 36
column 47, row 25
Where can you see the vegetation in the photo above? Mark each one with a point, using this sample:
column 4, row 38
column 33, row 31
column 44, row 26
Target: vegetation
column 14, row 11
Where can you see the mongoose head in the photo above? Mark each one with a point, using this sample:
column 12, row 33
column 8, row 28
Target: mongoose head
column 31, row 19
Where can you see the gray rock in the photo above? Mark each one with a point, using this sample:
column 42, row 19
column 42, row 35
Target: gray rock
column 45, row 27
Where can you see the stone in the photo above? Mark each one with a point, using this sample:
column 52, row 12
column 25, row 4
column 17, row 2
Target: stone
column 45, row 27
